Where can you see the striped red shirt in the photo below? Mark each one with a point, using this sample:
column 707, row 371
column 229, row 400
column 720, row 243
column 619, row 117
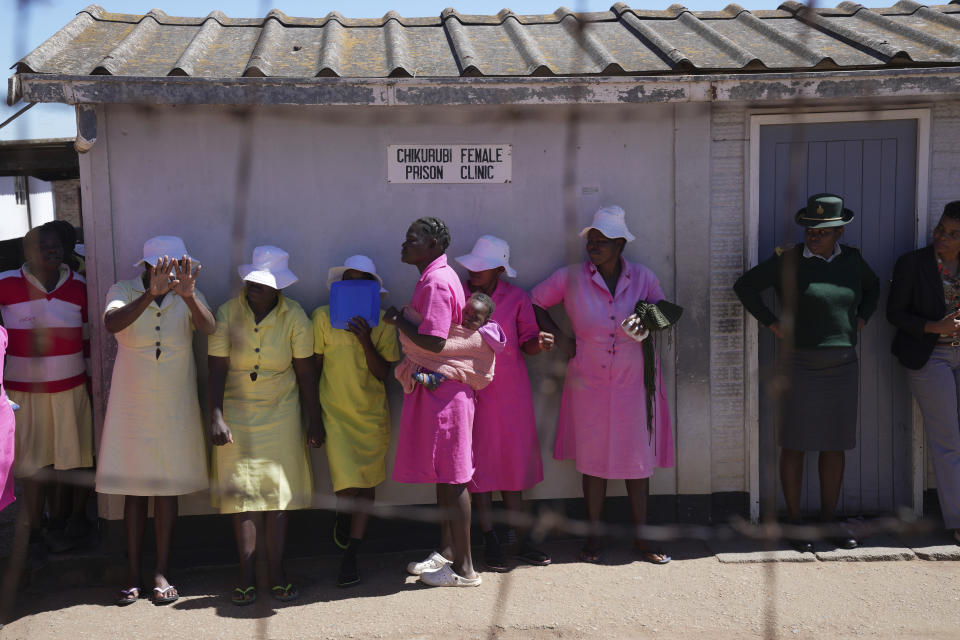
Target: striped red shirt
column 48, row 331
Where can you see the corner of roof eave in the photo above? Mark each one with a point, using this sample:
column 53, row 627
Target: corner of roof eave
column 14, row 90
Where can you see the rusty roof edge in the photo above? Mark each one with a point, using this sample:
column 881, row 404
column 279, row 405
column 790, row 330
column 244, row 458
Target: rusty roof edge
column 181, row 90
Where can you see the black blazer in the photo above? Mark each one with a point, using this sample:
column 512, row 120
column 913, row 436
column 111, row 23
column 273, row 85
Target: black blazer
column 916, row 296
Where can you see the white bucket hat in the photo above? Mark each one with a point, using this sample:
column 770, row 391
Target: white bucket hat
column 269, row 268
column 610, row 221
column 159, row 246
column 357, row 263
column 489, row 252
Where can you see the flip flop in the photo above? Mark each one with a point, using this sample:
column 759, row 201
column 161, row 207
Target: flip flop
column 653, row 556
column 592, row 554
column 285, row 593
column 533, row 556
column 244, row 597
column 128, row 596
column 162, row 596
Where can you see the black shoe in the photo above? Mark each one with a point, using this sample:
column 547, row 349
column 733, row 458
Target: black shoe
column 493, row 554
column 845, row 542
column 803, row 546
column 58, row 541
column 845, row 539
column 349, row 575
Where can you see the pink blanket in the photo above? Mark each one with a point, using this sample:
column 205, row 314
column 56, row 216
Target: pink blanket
column 467, row 357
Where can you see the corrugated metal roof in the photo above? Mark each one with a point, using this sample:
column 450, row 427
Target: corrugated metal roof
column 615, row 42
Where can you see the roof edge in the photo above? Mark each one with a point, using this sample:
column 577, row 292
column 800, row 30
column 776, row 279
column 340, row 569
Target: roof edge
column 544, row 90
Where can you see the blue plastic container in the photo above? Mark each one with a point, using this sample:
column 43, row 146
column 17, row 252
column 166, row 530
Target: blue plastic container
column 350, row 298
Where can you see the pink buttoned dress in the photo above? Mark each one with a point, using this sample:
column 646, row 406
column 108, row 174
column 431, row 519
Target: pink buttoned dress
column 603, row 416
column 506, row 452
column 7, row 429
column 435, row 440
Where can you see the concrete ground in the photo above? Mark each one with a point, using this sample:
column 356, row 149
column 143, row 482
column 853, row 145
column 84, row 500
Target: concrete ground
column 720, row 590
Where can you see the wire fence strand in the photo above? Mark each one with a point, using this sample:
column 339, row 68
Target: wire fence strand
column 547, row 521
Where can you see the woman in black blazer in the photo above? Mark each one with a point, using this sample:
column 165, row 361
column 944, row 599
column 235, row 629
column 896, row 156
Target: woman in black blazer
column 924, row 305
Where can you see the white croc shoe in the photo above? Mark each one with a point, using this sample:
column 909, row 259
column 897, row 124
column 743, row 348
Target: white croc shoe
column 433, row 562
column 446, row 577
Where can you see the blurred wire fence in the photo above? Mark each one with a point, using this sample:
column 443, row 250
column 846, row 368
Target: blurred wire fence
column 546, row 521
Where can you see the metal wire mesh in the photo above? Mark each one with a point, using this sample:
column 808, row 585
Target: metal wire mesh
column 546, row 521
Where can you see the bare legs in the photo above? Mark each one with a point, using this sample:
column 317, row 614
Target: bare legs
column 165, row 510
column 360, row 517
column 454, row 503
column 831, row 465
column 638, row 494
column 246, row 527
column 34, row 494
column 594, row 492
column 483, row 503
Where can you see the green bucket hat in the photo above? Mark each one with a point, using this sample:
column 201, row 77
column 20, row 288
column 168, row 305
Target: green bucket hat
column 823, row 210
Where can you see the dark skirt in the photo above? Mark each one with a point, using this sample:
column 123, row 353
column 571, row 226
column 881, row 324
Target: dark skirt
column 820, row 403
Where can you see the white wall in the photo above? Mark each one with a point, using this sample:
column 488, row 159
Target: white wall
column 14, row 218
column 317, row 187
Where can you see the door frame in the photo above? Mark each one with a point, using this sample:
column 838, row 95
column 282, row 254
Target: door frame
column 752, row 231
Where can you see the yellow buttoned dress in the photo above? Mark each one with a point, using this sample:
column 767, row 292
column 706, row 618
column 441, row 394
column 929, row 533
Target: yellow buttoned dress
column 354, row 402
column 266, row 467
column 152, row 442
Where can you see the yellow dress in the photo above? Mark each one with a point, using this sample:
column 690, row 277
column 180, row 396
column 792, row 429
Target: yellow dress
column 353, row 402
column 266, row 467
column 152, row 442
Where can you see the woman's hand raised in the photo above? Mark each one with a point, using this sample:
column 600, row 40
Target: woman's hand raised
column 185, row 284
column 161, row 280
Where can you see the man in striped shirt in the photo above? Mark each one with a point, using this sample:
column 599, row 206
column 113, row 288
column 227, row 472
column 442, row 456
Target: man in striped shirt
column 44, row 308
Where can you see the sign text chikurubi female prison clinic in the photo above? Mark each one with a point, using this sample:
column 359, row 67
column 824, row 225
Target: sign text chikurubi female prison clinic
column 449, row 163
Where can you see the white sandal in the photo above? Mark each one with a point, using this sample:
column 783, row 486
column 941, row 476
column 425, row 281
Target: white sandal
column 447, row 577
column 433, row 562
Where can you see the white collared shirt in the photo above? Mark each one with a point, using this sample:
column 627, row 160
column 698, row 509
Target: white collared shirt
column 810, row 254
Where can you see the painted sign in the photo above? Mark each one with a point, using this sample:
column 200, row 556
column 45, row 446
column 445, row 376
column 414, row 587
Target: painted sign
column 449, row 163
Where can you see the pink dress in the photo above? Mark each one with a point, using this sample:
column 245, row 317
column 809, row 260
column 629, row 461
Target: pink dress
column 7, row 427
column 603, row 417
column 506, row 452
column 435, row 440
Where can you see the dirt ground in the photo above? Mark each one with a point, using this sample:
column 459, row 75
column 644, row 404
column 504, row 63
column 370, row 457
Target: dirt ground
column 695, row 596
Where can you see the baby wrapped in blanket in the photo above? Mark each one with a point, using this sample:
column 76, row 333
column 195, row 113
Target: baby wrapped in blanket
column 468, row 356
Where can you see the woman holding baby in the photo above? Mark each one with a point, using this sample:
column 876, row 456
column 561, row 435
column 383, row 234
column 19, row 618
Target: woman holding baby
column 435, row 438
